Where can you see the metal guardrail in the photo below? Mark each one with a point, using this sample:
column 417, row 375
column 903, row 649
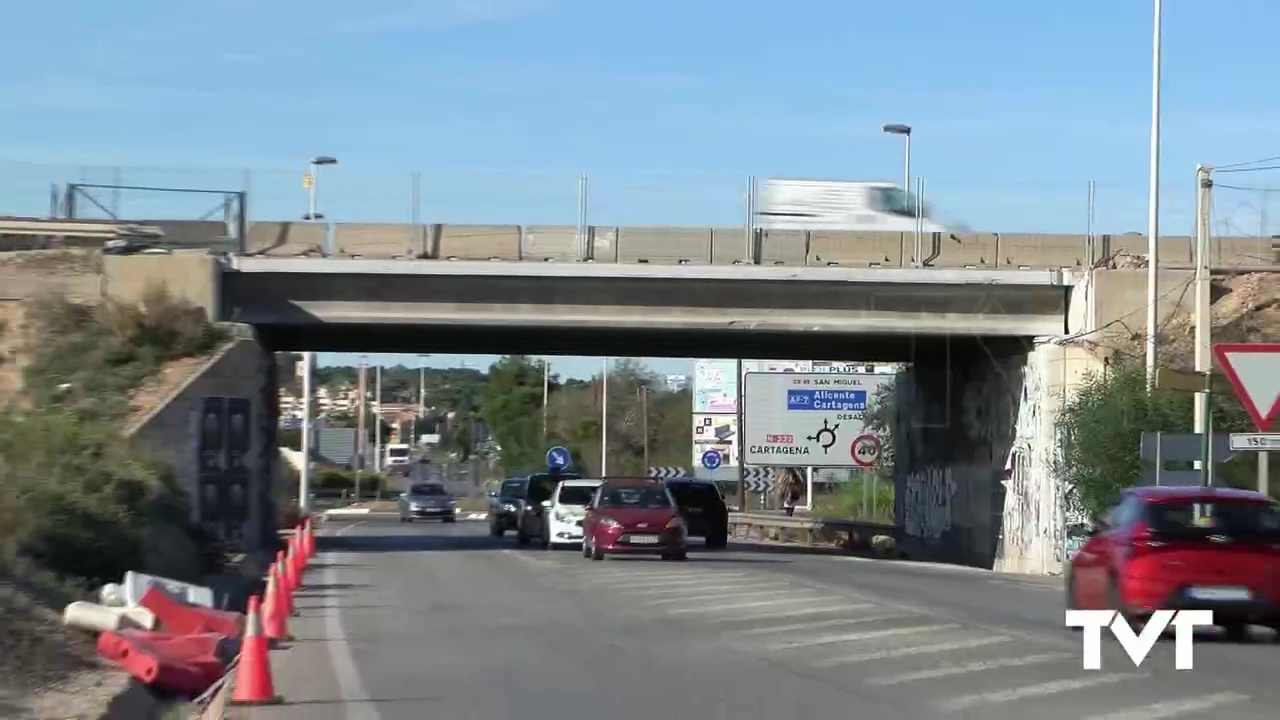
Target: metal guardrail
column 858, row 534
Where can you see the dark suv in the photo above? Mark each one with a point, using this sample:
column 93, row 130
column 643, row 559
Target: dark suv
column 504, row 507
column 532, row 517
column 703, row 509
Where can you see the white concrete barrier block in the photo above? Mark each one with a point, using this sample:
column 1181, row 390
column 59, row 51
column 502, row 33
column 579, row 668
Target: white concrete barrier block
column 112, row 595
column 137, row 584
column 99, row 618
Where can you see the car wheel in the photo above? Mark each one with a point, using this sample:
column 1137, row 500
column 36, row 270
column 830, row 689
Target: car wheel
column 450, row 518
column 496, row 531
column 596, row 553
column 586, row 548
column 680, row 556
column 521, row 538
column 717, row 541
column 1070, row 589
column 1236, row 632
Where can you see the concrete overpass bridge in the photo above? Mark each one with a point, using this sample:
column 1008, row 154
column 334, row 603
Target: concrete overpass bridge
column 969, row 335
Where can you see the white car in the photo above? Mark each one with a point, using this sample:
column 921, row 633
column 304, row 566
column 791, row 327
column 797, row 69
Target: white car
column 565, row 511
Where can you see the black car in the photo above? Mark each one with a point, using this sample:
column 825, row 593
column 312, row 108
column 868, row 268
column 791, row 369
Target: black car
column 505, row 506
column 703, row 509
column 531, row 518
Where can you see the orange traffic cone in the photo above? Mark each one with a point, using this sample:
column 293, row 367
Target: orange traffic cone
column 309, row 539
column 275, row 613
column 299, row 552
column 284, row 597
column 286, row 572
column 294, row 557
column 254, row 685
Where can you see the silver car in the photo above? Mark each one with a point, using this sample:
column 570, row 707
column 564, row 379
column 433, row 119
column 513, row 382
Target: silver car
column 427, row 501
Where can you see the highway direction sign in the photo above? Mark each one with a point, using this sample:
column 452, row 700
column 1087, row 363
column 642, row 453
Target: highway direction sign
column 558, row 458
column 806, row 419
column 711, row 459
column 1254, row 372
column 1255, row 441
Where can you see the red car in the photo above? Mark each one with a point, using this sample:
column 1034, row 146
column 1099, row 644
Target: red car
column 1183, row 548
column 633, row 517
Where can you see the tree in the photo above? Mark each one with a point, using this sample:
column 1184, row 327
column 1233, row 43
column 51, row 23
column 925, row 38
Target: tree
column 1101, row 429
column 511, row 405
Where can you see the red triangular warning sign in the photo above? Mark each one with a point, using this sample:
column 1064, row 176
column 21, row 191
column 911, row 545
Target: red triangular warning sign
column 1254, row 372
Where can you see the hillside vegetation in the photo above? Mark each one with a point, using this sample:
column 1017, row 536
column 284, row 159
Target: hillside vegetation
column 78, row 505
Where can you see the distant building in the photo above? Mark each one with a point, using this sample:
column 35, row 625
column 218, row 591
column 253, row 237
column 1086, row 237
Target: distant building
column 676, row 383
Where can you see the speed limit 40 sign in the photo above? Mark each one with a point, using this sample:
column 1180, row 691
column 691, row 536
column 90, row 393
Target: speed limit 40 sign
column 865, row 450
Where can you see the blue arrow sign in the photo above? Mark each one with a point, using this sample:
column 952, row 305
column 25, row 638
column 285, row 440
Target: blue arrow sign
column 558, row 458
column 711, row 459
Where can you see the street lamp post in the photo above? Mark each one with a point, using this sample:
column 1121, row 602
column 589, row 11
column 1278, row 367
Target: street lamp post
column 316, row 162
column 905, row 132
column 1153, row 202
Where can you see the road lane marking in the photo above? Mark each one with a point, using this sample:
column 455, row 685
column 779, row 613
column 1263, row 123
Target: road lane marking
column 798, row 627
column 736, row 595
column 999, row 697
column 645, row 590
column 736, row 606
column 909, row 650
column 1174, row 708
column 950, row 670
column 842, row 606
column 853, row 637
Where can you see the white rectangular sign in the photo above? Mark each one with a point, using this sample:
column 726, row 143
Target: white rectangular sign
column 1255, row 441
column 809, row 419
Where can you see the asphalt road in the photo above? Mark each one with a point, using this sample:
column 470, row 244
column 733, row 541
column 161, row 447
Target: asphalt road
column 404, row 622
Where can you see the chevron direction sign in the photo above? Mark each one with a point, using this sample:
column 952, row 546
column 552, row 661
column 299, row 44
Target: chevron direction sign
column 757, row 479
column 667, row 472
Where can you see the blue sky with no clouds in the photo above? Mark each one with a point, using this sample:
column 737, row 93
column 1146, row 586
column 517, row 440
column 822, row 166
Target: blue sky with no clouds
column 669, row 106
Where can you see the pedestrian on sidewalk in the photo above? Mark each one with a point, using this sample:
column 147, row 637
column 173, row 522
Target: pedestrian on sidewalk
column 791, row 495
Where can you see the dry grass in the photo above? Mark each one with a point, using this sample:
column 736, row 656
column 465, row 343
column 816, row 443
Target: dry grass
column 47, row 670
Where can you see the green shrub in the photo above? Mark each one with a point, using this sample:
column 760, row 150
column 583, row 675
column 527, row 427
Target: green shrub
column 77, row 500
column 333, row 483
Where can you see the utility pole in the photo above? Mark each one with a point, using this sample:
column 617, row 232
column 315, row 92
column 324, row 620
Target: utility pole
column 546, row 395
column 362, row 403
column 742, row 469
column 304, row 475
column 644, row 423
column 377, row 422
column 1153, row 204
column 1203, row 421
column 604, row 419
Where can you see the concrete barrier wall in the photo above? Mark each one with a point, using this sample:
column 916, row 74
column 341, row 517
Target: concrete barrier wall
column 672, row 245
column 192, row 276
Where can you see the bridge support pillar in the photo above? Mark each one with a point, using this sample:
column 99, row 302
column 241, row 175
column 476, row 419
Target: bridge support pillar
column 955, row 426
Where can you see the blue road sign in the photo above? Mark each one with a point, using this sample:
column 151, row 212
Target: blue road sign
column 558, row 458
column 827, row 400
column 711, row 459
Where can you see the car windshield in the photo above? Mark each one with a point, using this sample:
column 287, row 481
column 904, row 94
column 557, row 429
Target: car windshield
column 1205, row 519
column 542, row 486
column 695, row 495
column 639, row 498
column 428, row 490
column 398, row 452
column 512, row 489
column 576, row 494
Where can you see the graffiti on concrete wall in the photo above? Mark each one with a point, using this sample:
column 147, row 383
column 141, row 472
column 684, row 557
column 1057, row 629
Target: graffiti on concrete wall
column 927, row 502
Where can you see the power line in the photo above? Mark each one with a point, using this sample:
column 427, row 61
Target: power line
column 1243, row 164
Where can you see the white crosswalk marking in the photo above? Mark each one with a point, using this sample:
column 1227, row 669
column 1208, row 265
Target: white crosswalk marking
column 914, row 659
column 1054, row 687
column 793, row 627
column 715, row 596
column 912, row 650
column 736, row 606
column 1174, row 708
column 774, row 614
column 952, row 670
column 853, row 637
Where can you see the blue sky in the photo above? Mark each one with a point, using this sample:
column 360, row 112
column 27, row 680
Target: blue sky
column 668, row 106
